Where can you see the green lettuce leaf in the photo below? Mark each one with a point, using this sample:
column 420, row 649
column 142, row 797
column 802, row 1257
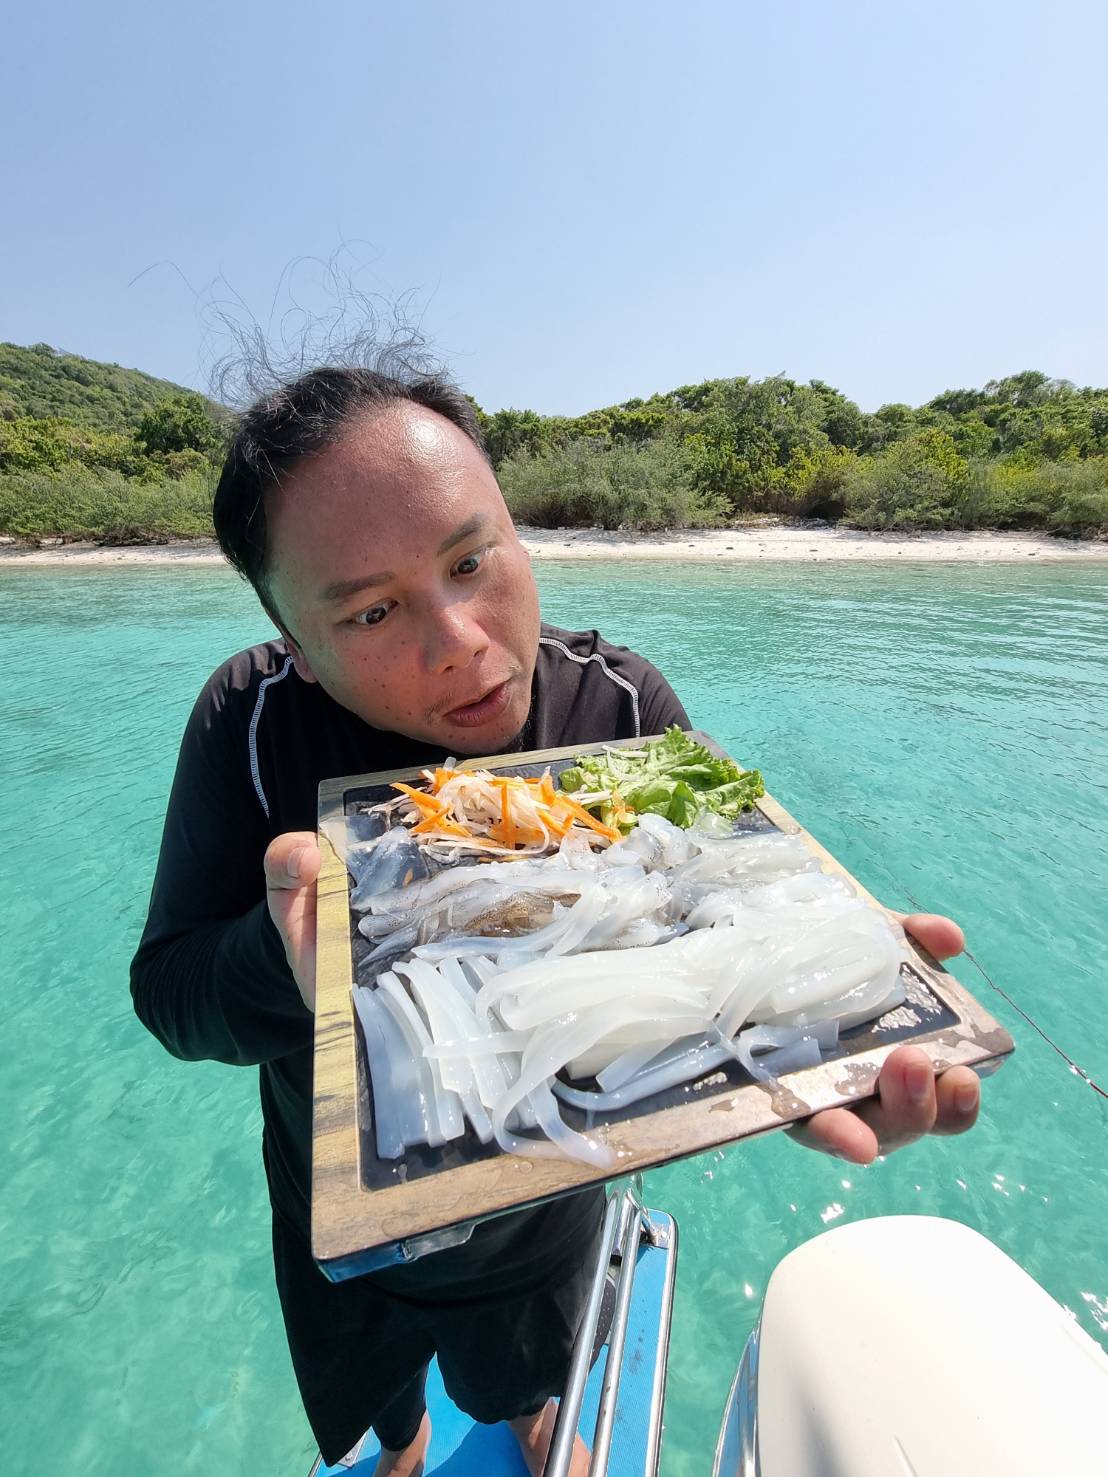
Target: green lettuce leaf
column 673, row 777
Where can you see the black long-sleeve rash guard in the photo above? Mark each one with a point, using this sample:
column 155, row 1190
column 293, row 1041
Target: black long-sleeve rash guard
column 210, row 979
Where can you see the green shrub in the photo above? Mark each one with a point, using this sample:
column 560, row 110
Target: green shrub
column 30, row 445
column 813, row 485
column 1068, row 497
column 916, row 484
column 912, row 487
column 716, row 469
column 99, row 504
column 1013, row 493
column 581, row 485
column 1079, row 498
column 178, row 423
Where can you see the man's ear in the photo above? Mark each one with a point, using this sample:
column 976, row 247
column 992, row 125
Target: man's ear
column 300, row 662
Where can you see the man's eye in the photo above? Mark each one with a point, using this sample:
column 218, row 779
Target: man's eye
column 470, row 564
column 373, row 616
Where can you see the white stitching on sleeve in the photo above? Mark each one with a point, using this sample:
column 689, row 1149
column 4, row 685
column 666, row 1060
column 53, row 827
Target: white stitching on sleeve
column 255, row 718
column 614, row 676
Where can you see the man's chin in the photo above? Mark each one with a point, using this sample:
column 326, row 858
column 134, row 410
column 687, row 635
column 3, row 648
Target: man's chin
column 471, row 742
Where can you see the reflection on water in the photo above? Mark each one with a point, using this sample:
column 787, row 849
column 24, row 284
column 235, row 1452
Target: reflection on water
column 944, row 730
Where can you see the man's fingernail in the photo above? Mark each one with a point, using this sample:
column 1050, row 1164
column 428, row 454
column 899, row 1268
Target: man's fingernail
column 292, row 866
column 965, row 1098
column 918, row 1080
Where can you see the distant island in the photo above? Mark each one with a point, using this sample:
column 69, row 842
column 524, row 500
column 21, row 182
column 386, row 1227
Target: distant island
column 92, row 451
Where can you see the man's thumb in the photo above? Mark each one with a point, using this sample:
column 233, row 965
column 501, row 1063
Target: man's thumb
column 292, row 861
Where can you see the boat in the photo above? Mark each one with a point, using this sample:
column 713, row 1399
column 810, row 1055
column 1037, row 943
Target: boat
column 911, row 1346
column 616, row 1386
column 901, row 1346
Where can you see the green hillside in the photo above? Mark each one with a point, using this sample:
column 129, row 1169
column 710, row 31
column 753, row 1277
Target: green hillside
column 90, row 450
column 42, row 382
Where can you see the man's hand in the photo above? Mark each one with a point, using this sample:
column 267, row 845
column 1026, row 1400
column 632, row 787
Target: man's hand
column 292, row 864
column 910, row 1101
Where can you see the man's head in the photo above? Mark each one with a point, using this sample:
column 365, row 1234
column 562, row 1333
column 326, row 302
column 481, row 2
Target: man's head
column 365, row 514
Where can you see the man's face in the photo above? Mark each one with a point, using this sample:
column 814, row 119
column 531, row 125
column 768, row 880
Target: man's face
column 401, row 585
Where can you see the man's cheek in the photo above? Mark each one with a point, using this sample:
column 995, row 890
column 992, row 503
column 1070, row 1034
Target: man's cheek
column 387, row 681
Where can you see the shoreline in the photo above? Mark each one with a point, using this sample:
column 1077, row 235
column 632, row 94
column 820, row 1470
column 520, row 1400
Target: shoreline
column 818, row 543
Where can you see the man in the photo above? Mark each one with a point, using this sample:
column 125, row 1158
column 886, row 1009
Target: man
column 367, row 517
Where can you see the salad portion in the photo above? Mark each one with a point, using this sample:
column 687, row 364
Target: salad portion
column 459, row 811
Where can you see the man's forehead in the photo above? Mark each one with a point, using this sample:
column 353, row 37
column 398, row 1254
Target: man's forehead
column 400, row 481
column 401, row 439
column 401, row 452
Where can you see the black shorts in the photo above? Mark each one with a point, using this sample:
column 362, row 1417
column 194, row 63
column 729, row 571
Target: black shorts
column 501, row 1313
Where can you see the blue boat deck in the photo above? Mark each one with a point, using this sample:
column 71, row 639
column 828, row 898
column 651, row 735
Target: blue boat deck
column 462, row 1448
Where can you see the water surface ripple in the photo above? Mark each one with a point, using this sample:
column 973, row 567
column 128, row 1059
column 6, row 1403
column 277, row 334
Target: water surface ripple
column 943, row 729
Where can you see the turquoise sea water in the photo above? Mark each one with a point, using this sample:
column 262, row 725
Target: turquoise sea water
column 942, row 729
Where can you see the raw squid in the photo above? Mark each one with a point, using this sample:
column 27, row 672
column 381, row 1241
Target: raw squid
column 394, row 860
column 640, row 967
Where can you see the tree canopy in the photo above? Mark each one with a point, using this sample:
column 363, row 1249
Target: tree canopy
column 1024, row 450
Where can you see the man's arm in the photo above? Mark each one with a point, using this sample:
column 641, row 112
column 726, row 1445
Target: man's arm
column 210, row 978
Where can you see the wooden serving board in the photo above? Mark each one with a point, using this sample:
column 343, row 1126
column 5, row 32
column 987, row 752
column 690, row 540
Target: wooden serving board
column 365, row 1210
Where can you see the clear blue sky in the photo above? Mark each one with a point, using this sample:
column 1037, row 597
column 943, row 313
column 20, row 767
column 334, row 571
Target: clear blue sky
column 588, row 201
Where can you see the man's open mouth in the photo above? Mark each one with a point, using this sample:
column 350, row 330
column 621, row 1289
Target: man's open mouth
column 489, row 705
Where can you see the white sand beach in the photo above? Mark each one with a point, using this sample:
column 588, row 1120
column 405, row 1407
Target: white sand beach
column 816, row 543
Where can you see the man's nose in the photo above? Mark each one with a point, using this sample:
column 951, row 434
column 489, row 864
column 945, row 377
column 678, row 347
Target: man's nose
column 453, row 638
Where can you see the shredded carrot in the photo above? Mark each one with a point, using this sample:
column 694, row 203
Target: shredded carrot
column 501, row 813
column 589, row 820
column 440, row 826
column 559, row 825
column 426, row 803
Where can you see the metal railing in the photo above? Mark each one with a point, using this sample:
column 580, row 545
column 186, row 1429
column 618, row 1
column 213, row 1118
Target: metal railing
column 625, row 1225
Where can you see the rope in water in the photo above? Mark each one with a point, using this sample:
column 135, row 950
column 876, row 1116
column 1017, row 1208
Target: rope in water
column 1073, row 1066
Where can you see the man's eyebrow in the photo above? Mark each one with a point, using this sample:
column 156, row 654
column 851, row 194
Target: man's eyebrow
column 468, row 529
column 343, row 589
